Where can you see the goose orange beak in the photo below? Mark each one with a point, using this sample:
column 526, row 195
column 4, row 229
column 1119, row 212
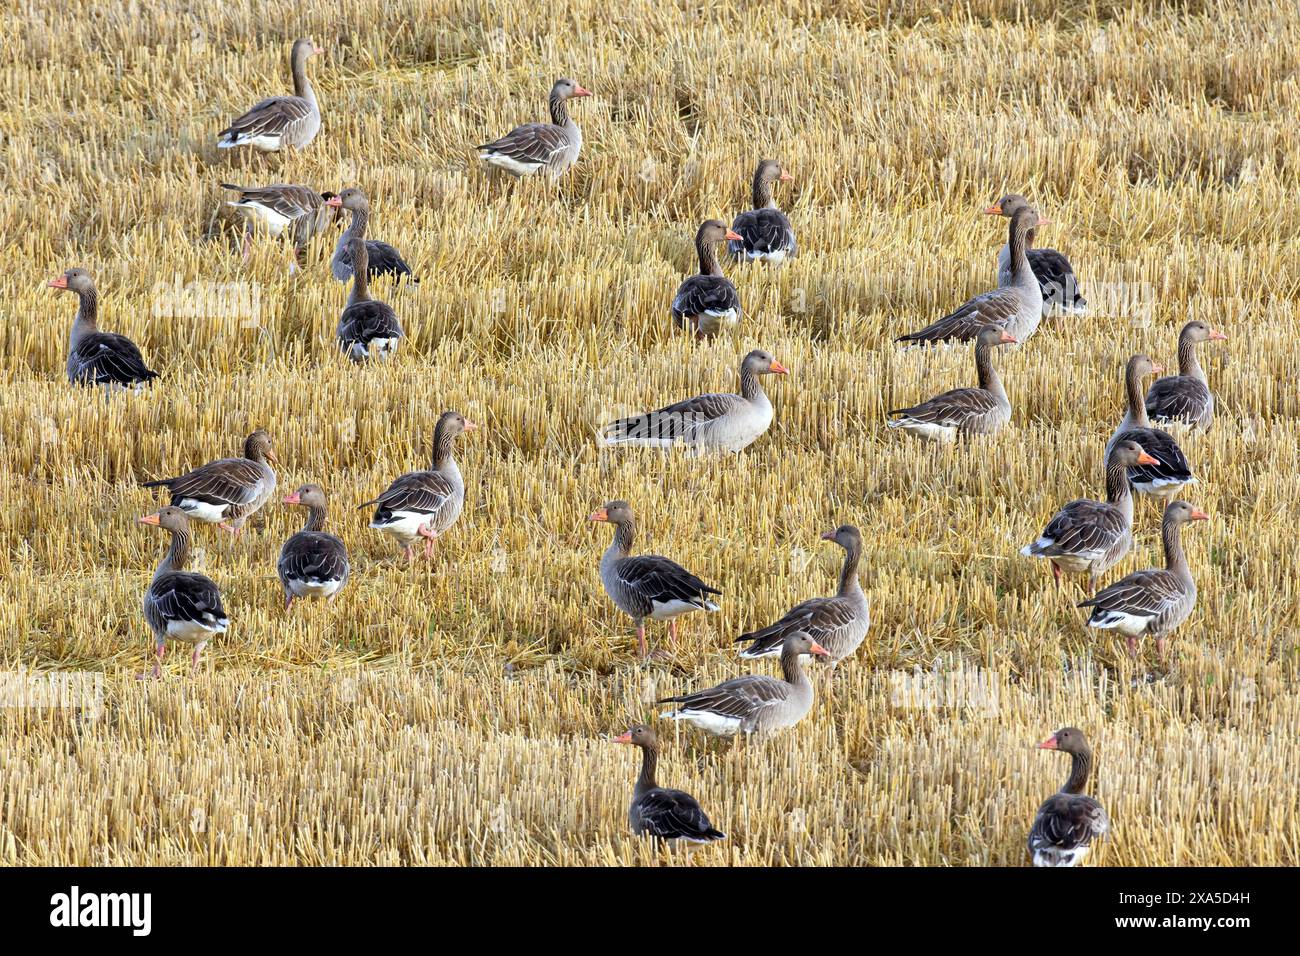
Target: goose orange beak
column 58, row 282
column 994, row 210
column 1009, row 339
column 1199, row 515
column 819, row 650
column 334, row 201
column 786, row 177
column 622, row 738
column 780, row 369
column 152, row 519
column 1048, row 744
column 600, row 514
column 582, row 91
column 1217, row 336
column 293, row 499
column 271, row 457
column 1145, row 459
column 735, row 236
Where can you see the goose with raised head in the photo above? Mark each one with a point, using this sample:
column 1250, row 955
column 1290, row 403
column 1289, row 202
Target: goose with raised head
column 280, row 121
column 367, row 325
column 94, row 357
column 763, row 234
column 534, row 147
column 964, row 411
column 1016, row 308
column 313, row 563
column 1162, row 481
column 1185, row 398
column 656, row 811
column 755, row 703
column 839, row 623
column 707, row 303
column 425, row 504
column 1091, row 537
column 713, row 422
column 381, row 258
column 228, row 491
column 180, row 605
column 1069, row 820
column 1055, row 275
column 1154, row 601
column 646, row 586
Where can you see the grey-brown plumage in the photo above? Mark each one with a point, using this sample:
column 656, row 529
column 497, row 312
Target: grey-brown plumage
column 1154, row 601
column 228, row 491
column 381, row 258
column 1088, row 536
column 1185, row 398
column 765, row 234
column 839, row 623
column 646, row 586
column 1069, row 820
column 534, row 147
column 94, row 357
column 1162, row 481
column 280, row 121
column 366, row 325
column 1016, row 308
column 180, row 605
column 1055, row 275
column 313, row 563
column 963, row 411
column 281, row 208
column 755, row 703
column 656, row 811
column 708, row 302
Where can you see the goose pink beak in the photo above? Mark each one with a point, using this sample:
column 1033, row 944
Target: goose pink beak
column 582, row 91
column 735, row 236
column 1157, row 368
column 293, row 499
column 819, row 650
column 1199, row 515
column 1009, row 339
column 58, row 282
column 1217, row 336
column 786, row 177
column 1048, row 744
column 152, row 519
column 470, row 426
column 622, row 738
column 334, row 201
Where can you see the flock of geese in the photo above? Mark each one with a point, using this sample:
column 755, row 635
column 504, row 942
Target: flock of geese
column 1084, row 537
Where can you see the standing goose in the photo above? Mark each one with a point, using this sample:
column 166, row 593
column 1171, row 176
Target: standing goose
column 281, row 207
column 180, row 605
column 1092, row 536
column 365, row 321
column 95, row 357
column 383, row 258
column 280, row 121
column 765, row 234
column 1069, row 820
column 754, row 702
column 1154, row 601
column 657, row 811
column 1055, row 275
column 1185, row 398
column 533, row 147
column 424, row 504
column 1165, row 480
column 313, row 563
column 964, row 411
column 708, row 302
column 1017, row 307
column 714, row 422
column 227, row 491
column 647, row 585
column 838, row 623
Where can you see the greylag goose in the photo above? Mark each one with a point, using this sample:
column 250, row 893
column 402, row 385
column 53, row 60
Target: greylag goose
column 95, row 357
column 1165, row 480
column 838, row 623
column 1017, row 308
column 533, row 147
column 313, row 563
column 1154, row 601
column 1055, row 275
column 708, row 302
column 1089, row 536
column 180, row 605
column 1185, row 398
column 366, row 322
column 280, row 121
column 714, row 422
column 227, row 491
column 425, row 504
column 647, row 585
column 964, row 411
column 280, row 207
column 1069, row 820
column 383, row 258
column 754, row 703
column 765, row 234
column 659, row 812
